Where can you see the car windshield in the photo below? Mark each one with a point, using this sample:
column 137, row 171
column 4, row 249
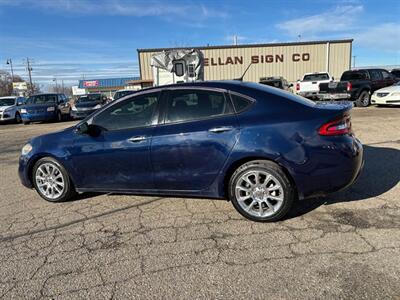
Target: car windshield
column 42, row 99
column 90, row 98
column 354, row 75
column 315, row 77
column 7, row 101
column 121, row 94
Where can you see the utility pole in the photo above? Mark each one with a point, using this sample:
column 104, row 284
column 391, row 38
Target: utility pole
column 62, row 84
column 354, row 61
column 9, row 62
column 28, row 62
column 235, row 40
column 55, row 80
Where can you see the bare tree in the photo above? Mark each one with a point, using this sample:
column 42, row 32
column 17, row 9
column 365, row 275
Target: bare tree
column 6, row 87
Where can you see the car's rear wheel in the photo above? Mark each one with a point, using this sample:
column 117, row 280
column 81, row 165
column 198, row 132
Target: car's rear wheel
column 52, row 181
column 59, row 116
column 27, row 123
column 261, row 191
column 363, row 99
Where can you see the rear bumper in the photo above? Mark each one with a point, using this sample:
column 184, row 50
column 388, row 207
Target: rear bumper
column 338, row 96
column 309, row 95
column 334, row 168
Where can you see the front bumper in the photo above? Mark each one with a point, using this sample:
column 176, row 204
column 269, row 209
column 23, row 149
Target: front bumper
column 388, row 100
column 23, row 171
column 6, row 117
column 81, row 114
column 37, row 117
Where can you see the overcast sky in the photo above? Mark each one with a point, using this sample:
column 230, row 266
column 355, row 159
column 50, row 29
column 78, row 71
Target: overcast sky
column 69, row 39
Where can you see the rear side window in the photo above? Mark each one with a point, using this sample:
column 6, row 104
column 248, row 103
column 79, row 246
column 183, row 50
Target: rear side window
column 240, row 103
column 354, row 75
column 386, row 74
column 375, row 75
column 186, row 105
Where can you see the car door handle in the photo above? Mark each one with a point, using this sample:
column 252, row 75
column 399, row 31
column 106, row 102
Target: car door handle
column 221, row 129
column 137, row 139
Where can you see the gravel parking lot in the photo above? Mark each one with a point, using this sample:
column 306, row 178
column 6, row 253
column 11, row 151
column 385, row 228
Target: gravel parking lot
column 119, row 246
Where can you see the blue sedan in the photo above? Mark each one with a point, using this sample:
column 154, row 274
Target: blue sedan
column 259, row 147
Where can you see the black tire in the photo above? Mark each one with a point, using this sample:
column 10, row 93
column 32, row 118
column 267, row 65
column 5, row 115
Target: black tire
column 364, row 99
column 27, row 123
column 277, row 172
column 68, row 192
column 59, row 117
column 18, row 119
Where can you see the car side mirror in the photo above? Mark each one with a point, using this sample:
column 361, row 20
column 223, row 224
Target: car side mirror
column 88, row 129
column 291, row 85
column 333, row 78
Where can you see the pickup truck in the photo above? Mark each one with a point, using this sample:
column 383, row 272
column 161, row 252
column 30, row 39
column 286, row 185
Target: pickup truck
column 356, row 85
column 309, row 86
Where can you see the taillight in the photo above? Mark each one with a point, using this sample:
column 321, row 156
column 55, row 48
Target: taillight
column 297, row 86
column 337, row 127
column 349, row 86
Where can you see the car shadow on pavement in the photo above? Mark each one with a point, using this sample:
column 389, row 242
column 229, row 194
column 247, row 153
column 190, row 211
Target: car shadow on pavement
column 380, row 174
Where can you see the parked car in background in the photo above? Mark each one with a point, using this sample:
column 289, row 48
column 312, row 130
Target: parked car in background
column 87, row 104
column 122, row 93
column 308, row 87
column 277, row 82
column 259, row 147
column 357, row 85
column 9, row 108
column 387, row 96
column 396, row 74
column 45, row 107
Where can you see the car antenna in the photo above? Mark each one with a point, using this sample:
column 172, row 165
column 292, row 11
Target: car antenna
column 244, row 73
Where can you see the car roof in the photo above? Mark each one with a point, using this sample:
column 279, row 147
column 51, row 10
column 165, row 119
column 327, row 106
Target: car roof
column 43, row 94
column 236, row 86
column 8, row 97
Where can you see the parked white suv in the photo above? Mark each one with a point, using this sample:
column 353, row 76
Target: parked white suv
column 309, row 86
column 9, row 108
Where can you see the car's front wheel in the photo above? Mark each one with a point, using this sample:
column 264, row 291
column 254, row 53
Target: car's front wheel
column 18, row 118
column 59, row 116
column 260, row 191
column 52, row 181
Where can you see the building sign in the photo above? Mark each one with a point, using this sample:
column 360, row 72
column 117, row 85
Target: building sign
column 91, row 83
column 256, row 59
column 20, row 86
column 76, row 91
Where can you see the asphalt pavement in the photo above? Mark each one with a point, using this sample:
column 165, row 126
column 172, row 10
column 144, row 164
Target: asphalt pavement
column 346, row 245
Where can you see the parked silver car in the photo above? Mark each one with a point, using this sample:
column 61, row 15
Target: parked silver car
column 9, row 108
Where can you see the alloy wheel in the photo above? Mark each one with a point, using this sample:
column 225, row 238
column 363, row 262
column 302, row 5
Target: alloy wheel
column 50, row 181
column 259, row 193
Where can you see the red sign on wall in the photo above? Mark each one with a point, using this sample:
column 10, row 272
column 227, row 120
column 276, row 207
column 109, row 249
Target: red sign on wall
column 91, row 83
